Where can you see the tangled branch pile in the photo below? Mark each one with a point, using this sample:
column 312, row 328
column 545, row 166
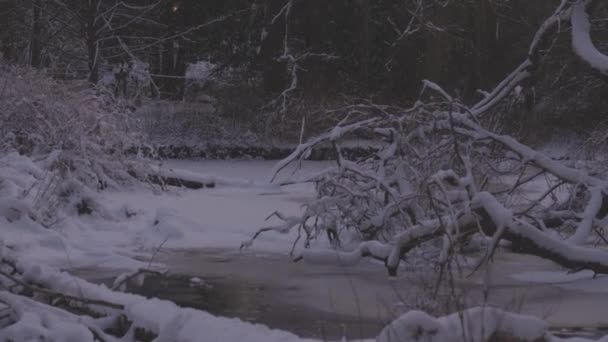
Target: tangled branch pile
column 440, row 177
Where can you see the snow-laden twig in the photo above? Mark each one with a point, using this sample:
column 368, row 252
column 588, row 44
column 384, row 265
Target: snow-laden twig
column 304, row 148
column 289, row 222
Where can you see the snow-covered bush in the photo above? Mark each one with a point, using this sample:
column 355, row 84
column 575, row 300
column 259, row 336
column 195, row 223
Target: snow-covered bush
column 72, row 140
column 199, row 74
column 130, row 81
column 78, row 132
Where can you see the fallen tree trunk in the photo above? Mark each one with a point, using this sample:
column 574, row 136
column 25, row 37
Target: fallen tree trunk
column 530, row 240
column 489, row 215
column 179, row 182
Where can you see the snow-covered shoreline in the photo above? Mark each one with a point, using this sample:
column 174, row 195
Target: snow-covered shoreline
column 130, row 226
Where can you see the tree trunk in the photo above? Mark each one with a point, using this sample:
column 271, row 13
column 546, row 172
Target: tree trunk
column 92, row 42
column 172, row 64
column 364, row 40
column 35, row 44
column 6, row 21
column 484, row 36
column 273, row 71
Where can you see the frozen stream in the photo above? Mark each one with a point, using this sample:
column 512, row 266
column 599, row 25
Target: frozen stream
column 262, row 284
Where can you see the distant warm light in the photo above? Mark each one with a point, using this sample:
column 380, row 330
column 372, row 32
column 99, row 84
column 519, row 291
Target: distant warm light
column 174, row 8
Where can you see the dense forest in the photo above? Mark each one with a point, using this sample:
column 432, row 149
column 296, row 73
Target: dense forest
column 277, row 61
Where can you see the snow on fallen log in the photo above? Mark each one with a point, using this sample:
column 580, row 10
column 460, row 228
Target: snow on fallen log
column 39, row 322
column 160, row 318
column 597, row 187
column 478, row 324
column 530, row 240
column 426, row 231
column 392, row 252
column 494, row 218
column 581, row 39
column 194, row 180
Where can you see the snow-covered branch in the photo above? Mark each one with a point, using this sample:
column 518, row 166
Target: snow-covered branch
column 530, row 239
column 581, row 38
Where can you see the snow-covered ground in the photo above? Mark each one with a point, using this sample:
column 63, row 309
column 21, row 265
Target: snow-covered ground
column 138, row 221
column 531, row 285
column 188, row 230
column 126, row 231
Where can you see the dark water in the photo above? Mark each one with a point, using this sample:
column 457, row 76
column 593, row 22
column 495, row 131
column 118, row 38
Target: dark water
column 321, row 302
column 258, row 304
column 255, row 304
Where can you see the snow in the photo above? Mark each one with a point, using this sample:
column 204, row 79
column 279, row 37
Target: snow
column 552, row 277
column 161, row 317
column 502, row 218
column 583, row 231
column 583, row 281
column 135, row 222
column 129, row 226
column 200, row 71
column 196, row 281
column 472, row 325
column 348, row 258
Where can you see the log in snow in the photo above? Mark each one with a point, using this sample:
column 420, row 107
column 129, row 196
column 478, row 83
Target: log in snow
column 392, row 253
column 194, row 180
column 493, row 217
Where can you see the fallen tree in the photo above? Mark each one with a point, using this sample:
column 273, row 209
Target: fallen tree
column 439, row 177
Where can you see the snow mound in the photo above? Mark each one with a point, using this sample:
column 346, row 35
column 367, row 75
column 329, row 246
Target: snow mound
column 473, row 325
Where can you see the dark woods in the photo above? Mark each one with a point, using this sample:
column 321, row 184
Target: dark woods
column 301, row 56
